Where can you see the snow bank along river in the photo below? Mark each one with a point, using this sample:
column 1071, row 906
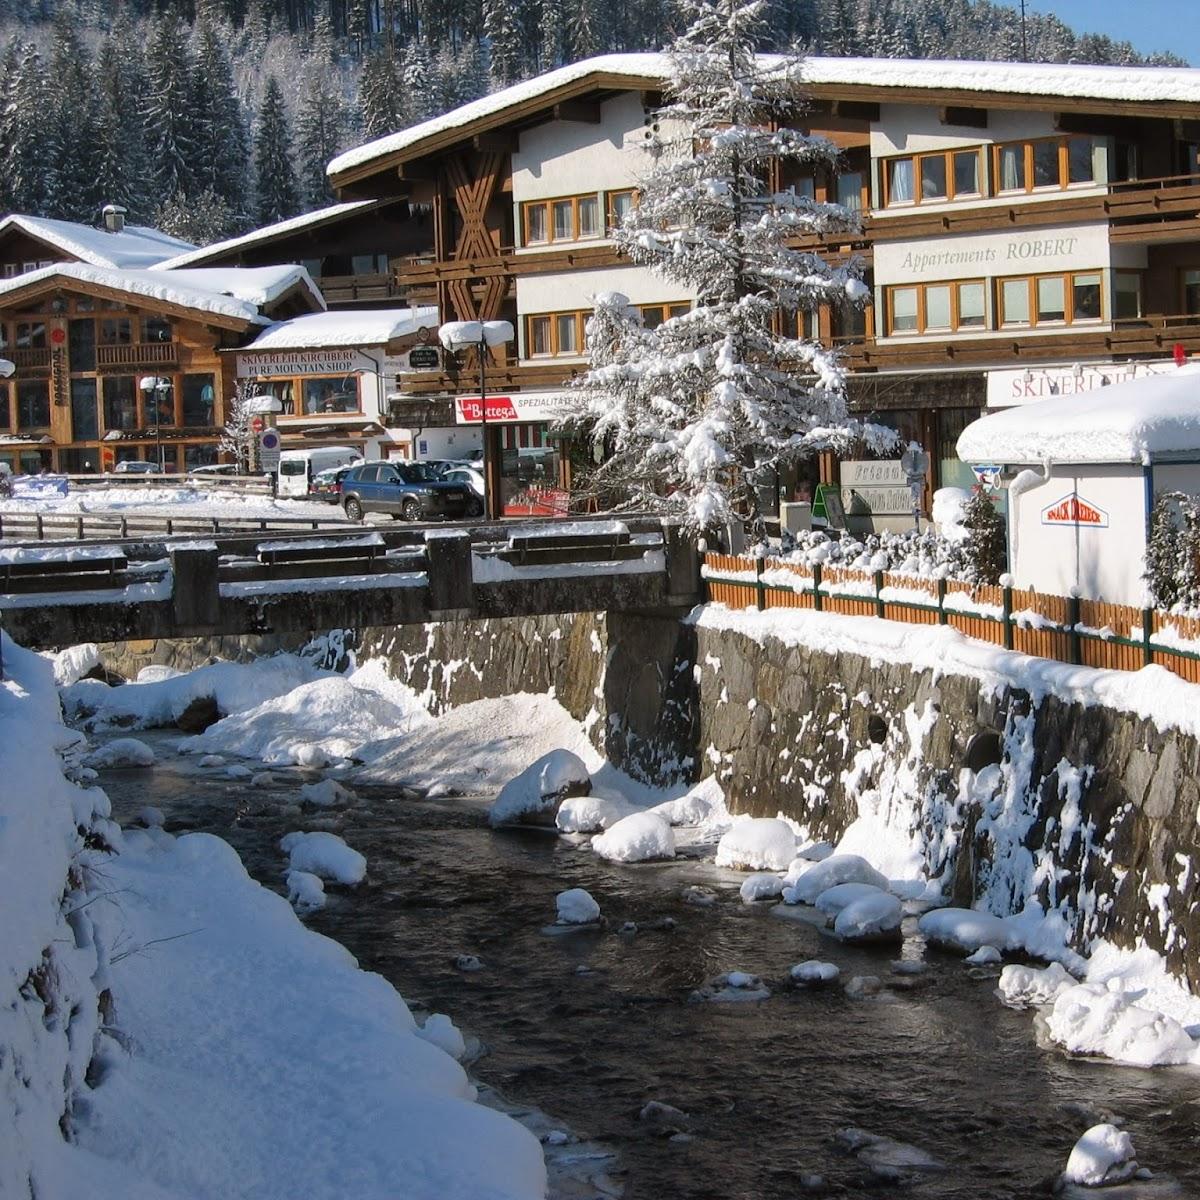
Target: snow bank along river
column 591, row 1025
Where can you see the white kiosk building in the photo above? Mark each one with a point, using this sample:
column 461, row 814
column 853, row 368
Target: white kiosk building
column 1082, row 472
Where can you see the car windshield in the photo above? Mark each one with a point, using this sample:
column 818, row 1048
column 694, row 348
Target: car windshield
column 417, row 473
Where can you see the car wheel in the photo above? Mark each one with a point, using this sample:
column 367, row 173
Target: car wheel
column 474, row 507
column 354, row 510
column 410, row 510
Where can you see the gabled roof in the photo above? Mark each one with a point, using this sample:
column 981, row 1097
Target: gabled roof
column 369, row 327
column 1146, row 420
column 268, row 233
column 136, row 246
column 1172, row 90
column 230, row 295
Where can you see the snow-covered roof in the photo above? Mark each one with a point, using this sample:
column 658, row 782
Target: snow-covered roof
column 1144, row 420
column 134, row 247
column 370, row 327
column 265, row 234
column 1130, row 84
column 236, row 292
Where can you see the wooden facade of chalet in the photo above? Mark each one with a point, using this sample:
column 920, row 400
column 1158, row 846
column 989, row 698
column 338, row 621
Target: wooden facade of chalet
column 81, row 351
column 928, row 387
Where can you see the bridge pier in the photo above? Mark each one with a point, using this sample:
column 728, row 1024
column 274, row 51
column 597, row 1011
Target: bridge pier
column 451, row 580
column 196, row 587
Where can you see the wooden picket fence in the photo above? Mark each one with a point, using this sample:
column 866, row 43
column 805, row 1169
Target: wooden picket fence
column 1090, row 633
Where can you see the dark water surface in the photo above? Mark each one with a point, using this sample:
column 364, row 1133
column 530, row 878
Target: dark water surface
column 935, row 1060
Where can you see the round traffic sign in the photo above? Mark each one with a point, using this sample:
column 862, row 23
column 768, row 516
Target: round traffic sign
column 269, row 439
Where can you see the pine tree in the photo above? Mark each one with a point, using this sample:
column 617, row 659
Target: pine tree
column 72, row 126
column 380, row 97
column 985, row 551
column 221, row 141
column 319, row 126
column 123, row 167
column 277, row 192
column 201, row 219
column 417, row 88
column 504, row 41
column 31, row 181
column 689, row 409
column 588, row 31
column 171, row 133
column 1162, row 549
column 554, row 34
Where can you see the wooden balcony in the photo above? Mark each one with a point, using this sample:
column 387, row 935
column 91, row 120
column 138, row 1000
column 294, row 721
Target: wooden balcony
column 137, row 354
column 511, row 376
column 359, row 289
column 25, row 359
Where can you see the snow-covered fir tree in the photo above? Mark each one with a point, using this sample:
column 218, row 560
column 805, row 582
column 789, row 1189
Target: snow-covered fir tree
column 278, row 197
column 1173, row 551
column 688, row 411
column 168, row 111
column 985, row 550
column 380, row 98
column 320, row 123
column 221, row 140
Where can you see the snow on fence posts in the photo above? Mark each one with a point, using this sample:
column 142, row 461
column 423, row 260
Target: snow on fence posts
column 1066, row 629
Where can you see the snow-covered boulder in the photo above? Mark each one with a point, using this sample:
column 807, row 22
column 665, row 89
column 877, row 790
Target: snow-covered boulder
column 814, row 851
column 306, row 892
column 964, row 930
column 734, row 987
column 326, row 855
column 1102, row 1156
column 761, row 886
column 533, row 796
column 1031, row 987
column 839, row 868
column 591, row 814
column 1092, row 1019
column 576, row 907
column 757, row 844
column 327, row 793
column 211, row 760
column 813, row 972
column 834, row 899
column 871, row 918
column 696, row 807
column 985, row 956
column 73, row 663
column 121, row 752
column 637, row 838
column 441, row 1032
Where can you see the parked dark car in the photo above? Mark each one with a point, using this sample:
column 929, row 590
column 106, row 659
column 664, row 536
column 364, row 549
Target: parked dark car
column 410, row 491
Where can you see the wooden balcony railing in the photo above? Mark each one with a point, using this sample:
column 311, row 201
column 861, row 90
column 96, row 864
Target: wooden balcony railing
column 350, row 289
column 137, row 354
column 28, row 360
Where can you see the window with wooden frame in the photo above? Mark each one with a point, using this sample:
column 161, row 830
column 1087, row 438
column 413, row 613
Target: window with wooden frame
column 654, row 315
column 568, row 219
column 1067, row 298
column 1043, row 164
column 1127, row 295
column 931, row 178
column 548, row 335
column 617, row 205
column 950, row 307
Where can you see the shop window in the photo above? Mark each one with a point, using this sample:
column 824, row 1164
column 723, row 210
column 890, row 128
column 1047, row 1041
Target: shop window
column 33, row 404
column 3, row 335
column 79, row 461
column 1191, row 293
column 120, row 402
column 158, row 404
column 85, row 422
column 156, row 329
column 31, row 335
column 283, row 390
column 331, row 395
column 198, row 398
column 1127, row 295
column 5, row 407
column 198, row 456
column 952, row 472
column 116, row 331
column 81, row 340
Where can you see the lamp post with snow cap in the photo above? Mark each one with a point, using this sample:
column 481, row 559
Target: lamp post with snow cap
column 157, row 386
column 484, row 336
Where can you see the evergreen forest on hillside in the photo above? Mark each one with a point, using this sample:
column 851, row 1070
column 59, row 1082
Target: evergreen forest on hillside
column 210, row 117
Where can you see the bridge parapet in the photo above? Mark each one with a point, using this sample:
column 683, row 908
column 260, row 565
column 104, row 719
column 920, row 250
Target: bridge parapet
column 233, row 586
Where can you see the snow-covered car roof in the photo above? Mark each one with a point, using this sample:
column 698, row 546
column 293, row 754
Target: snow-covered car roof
column 1153, row 419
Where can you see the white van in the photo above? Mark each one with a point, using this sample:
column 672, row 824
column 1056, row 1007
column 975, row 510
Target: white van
column 297, row 467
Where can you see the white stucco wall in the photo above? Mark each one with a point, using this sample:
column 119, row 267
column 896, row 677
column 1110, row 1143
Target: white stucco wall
column 572, row 290
column 1104, row 563
column 913, row 128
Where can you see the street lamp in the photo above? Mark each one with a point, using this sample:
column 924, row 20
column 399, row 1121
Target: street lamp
column 483, row 335
column 157, row 386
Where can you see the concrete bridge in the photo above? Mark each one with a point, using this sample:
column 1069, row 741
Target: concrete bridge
column 62, row 593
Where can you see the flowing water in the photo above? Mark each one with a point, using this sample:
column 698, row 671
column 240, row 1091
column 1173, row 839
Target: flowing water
column 589, row 1026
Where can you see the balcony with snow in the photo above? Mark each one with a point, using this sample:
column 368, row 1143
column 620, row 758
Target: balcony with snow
column 1083, row 472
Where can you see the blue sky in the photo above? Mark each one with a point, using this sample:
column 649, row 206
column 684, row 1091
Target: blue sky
column 1149, row 24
